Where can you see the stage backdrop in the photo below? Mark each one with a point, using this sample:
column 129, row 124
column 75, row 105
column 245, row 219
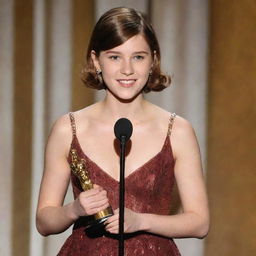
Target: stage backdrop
column 231, row 133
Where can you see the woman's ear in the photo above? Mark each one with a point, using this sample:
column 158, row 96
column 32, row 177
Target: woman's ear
column 95, row 60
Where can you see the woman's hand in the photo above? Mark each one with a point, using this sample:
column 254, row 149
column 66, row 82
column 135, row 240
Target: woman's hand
column 132, row 222
column 90, row 202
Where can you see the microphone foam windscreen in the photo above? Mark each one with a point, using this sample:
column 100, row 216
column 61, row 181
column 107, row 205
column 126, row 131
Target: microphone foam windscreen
column 123, row 127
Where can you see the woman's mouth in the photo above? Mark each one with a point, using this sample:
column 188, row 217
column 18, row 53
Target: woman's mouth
column 126, row 82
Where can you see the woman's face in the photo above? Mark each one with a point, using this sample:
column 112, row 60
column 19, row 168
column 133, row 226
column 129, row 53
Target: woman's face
column 125, row 68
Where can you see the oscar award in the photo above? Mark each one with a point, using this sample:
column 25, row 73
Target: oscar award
column 78, row 167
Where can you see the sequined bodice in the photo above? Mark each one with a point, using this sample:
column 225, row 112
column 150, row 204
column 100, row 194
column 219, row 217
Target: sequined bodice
column 148, row 189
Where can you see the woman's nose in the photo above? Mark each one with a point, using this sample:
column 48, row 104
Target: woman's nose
column 127, row 68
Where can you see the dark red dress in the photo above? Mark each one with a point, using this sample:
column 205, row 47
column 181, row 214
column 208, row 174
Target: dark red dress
column 148, row 190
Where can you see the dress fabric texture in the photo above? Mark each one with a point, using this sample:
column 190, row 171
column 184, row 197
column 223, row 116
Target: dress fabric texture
column 148, row 189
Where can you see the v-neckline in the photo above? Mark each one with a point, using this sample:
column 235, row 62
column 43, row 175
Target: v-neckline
column 166, row 141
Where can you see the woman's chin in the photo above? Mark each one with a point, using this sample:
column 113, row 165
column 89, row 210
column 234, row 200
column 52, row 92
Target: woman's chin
column 125, row 97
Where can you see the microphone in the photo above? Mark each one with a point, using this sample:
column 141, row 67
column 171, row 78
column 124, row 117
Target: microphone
column 123, row 128
column 123, row 132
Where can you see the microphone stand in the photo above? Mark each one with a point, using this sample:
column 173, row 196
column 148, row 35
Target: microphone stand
column 121, row 195
column 123, row 131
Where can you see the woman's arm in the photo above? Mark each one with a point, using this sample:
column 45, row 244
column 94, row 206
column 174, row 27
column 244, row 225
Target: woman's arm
column 52, row 217
column 194, row 219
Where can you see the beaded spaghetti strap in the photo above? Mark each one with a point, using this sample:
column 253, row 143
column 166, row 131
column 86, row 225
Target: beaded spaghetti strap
column 73, row 123
column 171, row 121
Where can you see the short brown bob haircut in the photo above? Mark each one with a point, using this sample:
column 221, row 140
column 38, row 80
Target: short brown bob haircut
column 114, row 28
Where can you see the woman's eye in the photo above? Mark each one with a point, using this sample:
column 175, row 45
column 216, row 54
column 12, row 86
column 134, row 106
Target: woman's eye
column 114, row 57
column 138, row 57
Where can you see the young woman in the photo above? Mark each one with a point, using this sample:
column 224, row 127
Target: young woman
column 123, row 58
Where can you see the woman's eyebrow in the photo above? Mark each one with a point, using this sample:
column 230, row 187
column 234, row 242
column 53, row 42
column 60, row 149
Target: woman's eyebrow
column 117, row 52
column 113, row 52
column 141, row 52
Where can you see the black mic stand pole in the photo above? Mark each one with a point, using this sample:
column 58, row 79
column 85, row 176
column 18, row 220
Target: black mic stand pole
column 123, row 131
column 121, row 196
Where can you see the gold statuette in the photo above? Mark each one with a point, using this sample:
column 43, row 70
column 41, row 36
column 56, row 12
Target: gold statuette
column 78, row 167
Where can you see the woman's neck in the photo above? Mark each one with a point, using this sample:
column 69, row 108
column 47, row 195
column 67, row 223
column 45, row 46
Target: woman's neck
column 113, row 108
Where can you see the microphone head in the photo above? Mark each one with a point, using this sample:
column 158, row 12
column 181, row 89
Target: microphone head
column 123, row 127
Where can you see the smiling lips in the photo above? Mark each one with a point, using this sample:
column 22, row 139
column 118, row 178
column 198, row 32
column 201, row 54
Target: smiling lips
column 126, row 82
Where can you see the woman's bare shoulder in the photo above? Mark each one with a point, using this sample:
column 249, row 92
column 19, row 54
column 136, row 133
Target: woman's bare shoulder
column 85, row 116
column 61, row 132
column 62, row 125
column 158, row 113
column 183, row 136
column 182, row 128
